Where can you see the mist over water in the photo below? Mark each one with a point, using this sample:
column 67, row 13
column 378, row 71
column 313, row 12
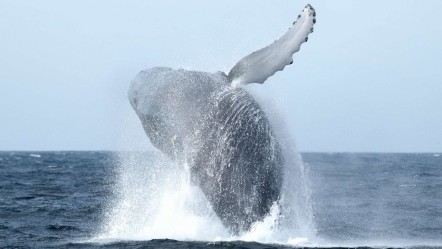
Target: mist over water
column 155, row 199
column 332, row 200
column 335, row 199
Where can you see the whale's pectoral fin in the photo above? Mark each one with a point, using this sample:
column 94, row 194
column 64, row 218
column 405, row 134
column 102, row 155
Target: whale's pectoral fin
column 259, row 65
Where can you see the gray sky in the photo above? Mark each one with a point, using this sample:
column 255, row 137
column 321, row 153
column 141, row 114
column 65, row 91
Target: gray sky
column 369, row 78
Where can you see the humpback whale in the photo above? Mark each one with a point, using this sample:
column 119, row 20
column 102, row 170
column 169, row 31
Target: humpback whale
column 213, row 125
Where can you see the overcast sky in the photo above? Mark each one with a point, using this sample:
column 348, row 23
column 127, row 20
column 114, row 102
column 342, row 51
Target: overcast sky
column 369, row 78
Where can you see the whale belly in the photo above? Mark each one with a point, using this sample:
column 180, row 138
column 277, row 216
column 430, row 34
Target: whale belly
column 239, row 164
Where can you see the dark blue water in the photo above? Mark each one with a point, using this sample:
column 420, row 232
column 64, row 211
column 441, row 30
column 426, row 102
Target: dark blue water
column 392, row 199
column 60, row 199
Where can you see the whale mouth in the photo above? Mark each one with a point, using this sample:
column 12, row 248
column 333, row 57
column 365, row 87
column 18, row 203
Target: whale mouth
column 133, row 101
column 132, row 95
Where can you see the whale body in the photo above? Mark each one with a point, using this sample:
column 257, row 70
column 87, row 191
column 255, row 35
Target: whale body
column 209, row 122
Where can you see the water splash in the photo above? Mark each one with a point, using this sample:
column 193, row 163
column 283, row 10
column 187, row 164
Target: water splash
column 154, row 198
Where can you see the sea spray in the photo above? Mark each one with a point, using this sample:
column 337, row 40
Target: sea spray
column 295, row 224
column 154, row 198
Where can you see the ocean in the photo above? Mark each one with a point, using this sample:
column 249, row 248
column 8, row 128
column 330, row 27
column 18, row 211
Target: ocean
column 106, row 200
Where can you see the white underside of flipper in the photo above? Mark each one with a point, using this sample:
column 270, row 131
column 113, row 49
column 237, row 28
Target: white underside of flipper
column 260, row 65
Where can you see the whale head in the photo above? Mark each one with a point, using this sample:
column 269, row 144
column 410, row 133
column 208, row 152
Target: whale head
column 145, row 88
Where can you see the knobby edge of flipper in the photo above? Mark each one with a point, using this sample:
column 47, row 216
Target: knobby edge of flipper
column 260, row 65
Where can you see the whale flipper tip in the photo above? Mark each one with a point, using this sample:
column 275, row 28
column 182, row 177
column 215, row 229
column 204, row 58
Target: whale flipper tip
column 257, row 67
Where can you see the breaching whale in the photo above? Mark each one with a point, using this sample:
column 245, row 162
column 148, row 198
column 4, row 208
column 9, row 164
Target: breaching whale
column 209, row 122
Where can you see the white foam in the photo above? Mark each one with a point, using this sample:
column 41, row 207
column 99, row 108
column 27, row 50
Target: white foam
column 35, row 155
column 154, row 199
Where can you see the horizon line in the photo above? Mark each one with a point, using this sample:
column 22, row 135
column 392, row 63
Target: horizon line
column 302, row 152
